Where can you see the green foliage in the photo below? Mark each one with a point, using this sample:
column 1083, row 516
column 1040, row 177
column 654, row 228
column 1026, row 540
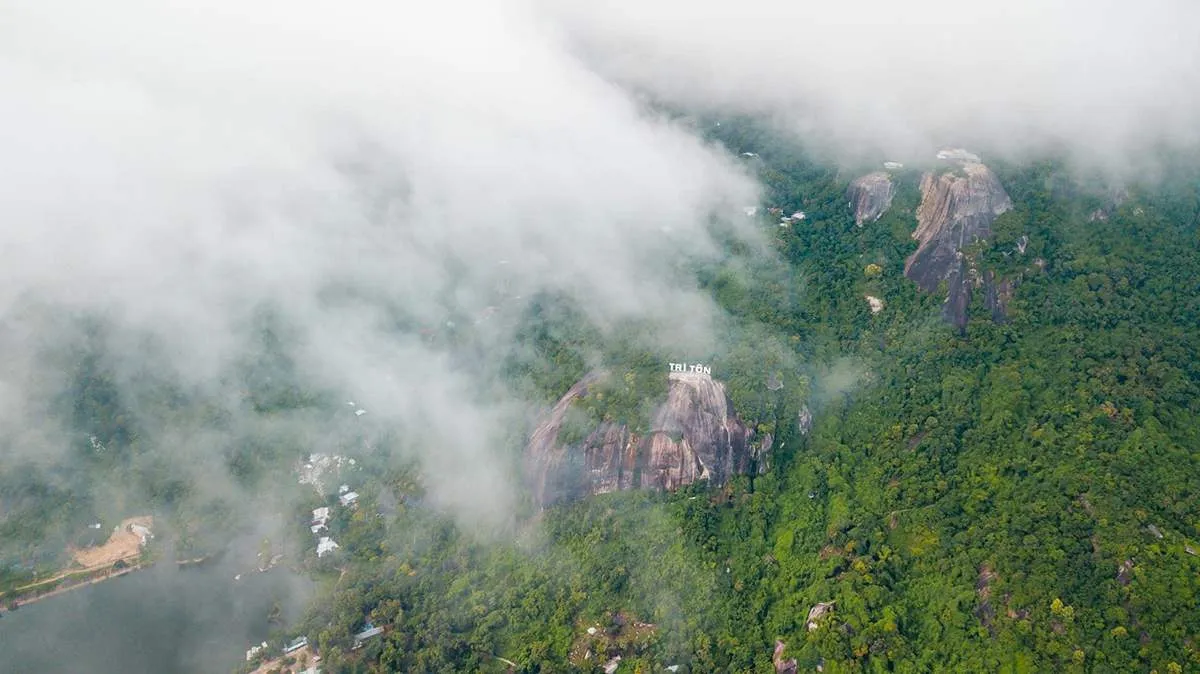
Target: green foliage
column 963, row 502
column 976, row 502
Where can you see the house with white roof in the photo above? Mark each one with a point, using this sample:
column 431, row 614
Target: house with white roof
column 326, row 545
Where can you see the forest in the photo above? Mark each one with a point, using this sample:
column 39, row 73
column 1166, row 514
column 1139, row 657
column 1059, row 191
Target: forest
column 1019, row 496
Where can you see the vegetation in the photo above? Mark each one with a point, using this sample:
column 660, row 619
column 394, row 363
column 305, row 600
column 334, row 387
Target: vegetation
column 1021, row 497
column 979, row 502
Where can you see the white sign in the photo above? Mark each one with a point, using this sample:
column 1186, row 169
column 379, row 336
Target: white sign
column 695, row 369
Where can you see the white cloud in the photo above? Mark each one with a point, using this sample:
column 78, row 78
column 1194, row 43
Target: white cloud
column 1105, row 78
column 173, row 166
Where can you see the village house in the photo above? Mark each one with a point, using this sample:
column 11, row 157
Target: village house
column 255, row 650
column 297, row 644
column 326, row 545
column 141, row 531
column 320, row 519
column 369, row 631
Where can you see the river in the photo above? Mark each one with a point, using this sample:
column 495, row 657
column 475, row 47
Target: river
column 160, row 619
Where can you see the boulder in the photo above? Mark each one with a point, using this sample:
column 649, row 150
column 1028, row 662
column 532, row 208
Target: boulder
column 695, row 435
column 870, row 196
column 958, row 206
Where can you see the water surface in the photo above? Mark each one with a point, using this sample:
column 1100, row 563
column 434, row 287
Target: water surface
column 162, row 619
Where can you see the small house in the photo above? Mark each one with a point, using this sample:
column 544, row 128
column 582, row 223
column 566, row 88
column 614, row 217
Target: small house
column 254, row 651
column 326, row 545
column 295, row 645
column 348, row 498
column 141, row 531
column 369, row 631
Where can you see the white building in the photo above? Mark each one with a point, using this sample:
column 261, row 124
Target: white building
column 255, row 650
column 300, row 642
column 957, row 154
column 320, row 515
column 326, row 545
column 141, row 532
column 348, row 498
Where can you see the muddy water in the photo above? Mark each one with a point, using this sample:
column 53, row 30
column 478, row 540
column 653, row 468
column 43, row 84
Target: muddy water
column 157, row 620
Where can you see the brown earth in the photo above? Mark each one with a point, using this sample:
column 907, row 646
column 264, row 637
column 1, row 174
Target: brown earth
column 301, row 655
column 122, row 544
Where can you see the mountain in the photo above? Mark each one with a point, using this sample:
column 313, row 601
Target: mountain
column 870, row 196
column 694, row 435
column 959, row 203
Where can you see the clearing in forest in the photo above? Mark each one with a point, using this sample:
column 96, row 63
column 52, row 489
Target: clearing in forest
column 123, row 544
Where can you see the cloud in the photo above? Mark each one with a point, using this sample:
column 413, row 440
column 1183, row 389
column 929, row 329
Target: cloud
column 1106, row 79
column 359, row 166
column 173, row 169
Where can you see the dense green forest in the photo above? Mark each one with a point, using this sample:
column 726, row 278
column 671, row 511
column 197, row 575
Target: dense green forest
column 1021, row 496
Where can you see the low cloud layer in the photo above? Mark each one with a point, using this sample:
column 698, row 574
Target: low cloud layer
column 1104, row 80
column 352, row 166
column 173, row 169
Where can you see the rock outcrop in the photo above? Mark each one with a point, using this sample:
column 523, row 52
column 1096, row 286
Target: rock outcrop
column 817, row 612
column 695, row 435
column 958, row 207
column 870, row 196
column 783, row 665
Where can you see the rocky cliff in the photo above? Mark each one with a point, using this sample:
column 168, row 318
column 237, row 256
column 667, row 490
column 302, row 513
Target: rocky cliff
column 695, row 435
column 870, row 196
column 958, row 206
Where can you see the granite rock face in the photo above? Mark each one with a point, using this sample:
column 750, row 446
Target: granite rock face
column 870, row 196
column 958, row 206
column 695, row 435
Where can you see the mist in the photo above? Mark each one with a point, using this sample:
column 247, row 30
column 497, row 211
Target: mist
column 358, row 166
column 353, row 174
column 1103, row 82
column 352, row 165
column 173, row 171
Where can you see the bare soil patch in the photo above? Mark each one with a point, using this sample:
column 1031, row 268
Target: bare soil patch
column 122, row 544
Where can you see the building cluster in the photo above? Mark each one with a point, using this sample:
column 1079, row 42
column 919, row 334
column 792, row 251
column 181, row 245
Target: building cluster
column 320, row 520
column 798, row 216
column 320, row 466
column 297, row 648
column 785, row 221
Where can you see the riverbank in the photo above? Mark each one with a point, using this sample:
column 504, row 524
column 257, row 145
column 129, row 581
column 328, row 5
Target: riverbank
column 167, row 617
column 22, row 597
column 19, row 601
